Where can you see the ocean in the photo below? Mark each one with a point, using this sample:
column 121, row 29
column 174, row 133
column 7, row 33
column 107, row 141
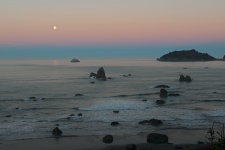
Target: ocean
column 54, row 84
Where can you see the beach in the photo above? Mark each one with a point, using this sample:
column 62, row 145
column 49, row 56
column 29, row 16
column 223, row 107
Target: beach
column 37, row 96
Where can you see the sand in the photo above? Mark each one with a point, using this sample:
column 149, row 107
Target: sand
column 178, row 138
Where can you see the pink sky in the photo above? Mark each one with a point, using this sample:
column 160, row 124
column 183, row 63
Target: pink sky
column 28, row 22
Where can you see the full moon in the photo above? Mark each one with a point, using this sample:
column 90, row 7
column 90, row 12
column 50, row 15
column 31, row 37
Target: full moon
column 54, row 27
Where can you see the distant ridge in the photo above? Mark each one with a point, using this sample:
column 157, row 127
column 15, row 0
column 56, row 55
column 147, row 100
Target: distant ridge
column 186, row 56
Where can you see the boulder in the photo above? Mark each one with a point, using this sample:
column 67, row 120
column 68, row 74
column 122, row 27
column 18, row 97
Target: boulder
column 107, row 139
column 116, row 111
column 163, row 93
column 162, row 86
column 92, row 82
column 80, row 114
column 79, row 95
column 100, row 74
column 56, row 131
column 114, row 123
column 160, row 102
column 144, row 100
column 131, row 147
column 7, row 116
column 156, row 138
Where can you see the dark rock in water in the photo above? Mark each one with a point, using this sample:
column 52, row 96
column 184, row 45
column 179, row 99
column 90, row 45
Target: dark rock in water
column 7, row 116
column 92, row 75
column 31, row 98
column 92, row 82
column 163, row 93
column 186, row 79
column 71, row 114
column 144, row 100
column 17, row 108
column 42, row 98
column 156, row 138
column 79, row 95
column 153, row 122
column 116, row 111
column 56, row 131
column 80, row 114
column 214, row 92
column 182, row 78
column 100, row 74
column 184, row 68
column 107, row 139
column 131, row 147
column 74, row 60
column 160, row 102
column 114, row 123
column 68, row 118
column 127, row 75
column 109, row 78
column 186, row 56
column 174, row 94
column 162, row 86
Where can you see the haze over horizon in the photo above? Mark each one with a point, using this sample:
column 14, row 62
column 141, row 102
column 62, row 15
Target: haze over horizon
column 104, row 28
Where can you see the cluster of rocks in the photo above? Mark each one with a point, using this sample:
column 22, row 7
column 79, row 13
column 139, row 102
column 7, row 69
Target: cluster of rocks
column 185, row 78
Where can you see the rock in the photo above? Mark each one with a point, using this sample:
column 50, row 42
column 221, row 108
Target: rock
column 116, row 111
column 74, row 60
column 71, row 114
column 153, row 122
column 131, row 147
column 184, row 68
column 162, row 86
column 80, row 114
column 160, row 102
column 163, row 93
column 100, row 74
column 156, row 138
column 92, row 75
column 114, row 123
column 56, row 131
column 174, row 94
column 224, row 58
column 7, row 116
column 107, row 139
column 127, row 75
column 186, row 56
column 17, row 108
column 42, row 98
column 144, row 100
column 188, row 79
column 109, row 78
column 79, row 95
column 92, row 82
column 182, row 78
column 68, row 118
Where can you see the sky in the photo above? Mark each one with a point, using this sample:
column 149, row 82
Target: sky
column 110, row 28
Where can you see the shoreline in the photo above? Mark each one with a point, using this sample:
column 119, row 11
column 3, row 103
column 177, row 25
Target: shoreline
column 176, row 137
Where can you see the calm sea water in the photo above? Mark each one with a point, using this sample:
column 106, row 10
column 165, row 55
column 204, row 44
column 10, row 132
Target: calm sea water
column 201, row 103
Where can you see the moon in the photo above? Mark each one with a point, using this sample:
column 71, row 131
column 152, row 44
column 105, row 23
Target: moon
column 54, row 27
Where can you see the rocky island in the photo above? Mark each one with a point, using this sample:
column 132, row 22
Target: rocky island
column 185, row 56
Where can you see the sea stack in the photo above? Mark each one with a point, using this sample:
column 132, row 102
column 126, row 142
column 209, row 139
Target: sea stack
column 100, row 74
column 224, row 58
